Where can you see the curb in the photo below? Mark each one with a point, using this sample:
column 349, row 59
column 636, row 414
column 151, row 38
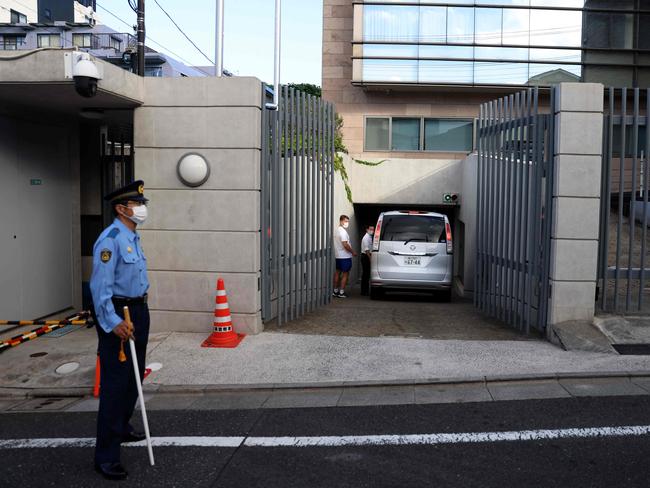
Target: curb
column 12, row 393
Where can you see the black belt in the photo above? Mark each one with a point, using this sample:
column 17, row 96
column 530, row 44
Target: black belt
column 132, row 300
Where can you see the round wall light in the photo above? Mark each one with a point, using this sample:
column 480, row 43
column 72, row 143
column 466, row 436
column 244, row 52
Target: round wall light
column 193, row 170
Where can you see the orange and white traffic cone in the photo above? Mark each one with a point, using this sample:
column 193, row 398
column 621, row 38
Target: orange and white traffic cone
column 223, row 335
column 97, row 378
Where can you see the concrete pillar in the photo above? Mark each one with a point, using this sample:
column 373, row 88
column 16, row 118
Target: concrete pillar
column 197, row 234
column 576, row 201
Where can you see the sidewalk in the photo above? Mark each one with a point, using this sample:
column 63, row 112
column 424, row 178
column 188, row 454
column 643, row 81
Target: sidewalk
column 278, row 360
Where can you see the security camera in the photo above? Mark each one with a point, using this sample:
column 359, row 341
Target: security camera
column 85, row 71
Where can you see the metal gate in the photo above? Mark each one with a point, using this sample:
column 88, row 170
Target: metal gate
column 514, row 201
column 297, row 205
column 624, row 212
column 116, row 155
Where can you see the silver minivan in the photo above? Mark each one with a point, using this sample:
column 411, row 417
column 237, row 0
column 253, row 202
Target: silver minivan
column 412, row 250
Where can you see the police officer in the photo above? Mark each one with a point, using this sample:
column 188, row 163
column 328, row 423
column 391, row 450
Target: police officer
column 119, row 279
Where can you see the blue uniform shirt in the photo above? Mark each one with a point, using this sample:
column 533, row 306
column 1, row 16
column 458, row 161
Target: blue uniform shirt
column 119, row 269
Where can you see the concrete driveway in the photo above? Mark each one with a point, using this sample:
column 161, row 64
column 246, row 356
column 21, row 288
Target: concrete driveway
column 401, row 315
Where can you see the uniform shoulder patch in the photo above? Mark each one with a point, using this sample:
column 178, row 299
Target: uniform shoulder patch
column 113, row 233
column 105, row 255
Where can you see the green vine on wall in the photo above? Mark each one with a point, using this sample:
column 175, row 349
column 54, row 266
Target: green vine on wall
column 339, row 145
column 339, row 150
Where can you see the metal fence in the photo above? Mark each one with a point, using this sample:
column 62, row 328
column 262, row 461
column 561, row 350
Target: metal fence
column 514, row 201
column 297, row 206
column 624, row 211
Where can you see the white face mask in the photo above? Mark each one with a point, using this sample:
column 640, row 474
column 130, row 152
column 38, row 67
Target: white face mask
column 371, row 232
column 346, row 225
column 139, row 214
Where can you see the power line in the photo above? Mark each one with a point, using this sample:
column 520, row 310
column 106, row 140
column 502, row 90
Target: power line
column 182, row 32
column 155, row 42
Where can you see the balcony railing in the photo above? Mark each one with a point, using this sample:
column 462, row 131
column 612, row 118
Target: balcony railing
column 117, row 42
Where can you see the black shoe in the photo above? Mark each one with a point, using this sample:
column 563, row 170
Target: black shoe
column 134, row 437
column 342, row 294
column 111, row 471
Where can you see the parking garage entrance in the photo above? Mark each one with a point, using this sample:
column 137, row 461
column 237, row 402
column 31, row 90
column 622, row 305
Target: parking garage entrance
column 401, row 314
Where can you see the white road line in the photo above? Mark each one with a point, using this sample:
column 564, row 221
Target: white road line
column 350, row 440
column 193, row 441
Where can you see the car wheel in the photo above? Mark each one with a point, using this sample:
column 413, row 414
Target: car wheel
column 376, row 293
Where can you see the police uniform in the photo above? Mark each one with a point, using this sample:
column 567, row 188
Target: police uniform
column 119, row 279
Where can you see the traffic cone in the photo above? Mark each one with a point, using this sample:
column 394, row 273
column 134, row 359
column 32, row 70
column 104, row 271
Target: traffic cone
column 223, row 335
column 97, row 378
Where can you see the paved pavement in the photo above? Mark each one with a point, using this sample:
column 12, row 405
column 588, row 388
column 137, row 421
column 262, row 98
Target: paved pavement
column 401, row 315
column 405, row 340
column 272, row 359
column 577, row 442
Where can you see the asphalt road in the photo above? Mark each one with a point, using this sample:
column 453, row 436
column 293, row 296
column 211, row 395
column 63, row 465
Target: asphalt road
column 607, row 461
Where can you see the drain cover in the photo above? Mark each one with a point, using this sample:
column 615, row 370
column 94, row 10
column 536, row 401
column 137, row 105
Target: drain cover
column 38, row 354
column 67, row 368
column 632, row 349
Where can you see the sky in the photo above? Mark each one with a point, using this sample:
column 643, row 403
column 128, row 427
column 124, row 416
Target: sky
column 248, row 33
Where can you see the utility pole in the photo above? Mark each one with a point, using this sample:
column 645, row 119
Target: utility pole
column 141, row 37
column 218, row 46
column 276, row 57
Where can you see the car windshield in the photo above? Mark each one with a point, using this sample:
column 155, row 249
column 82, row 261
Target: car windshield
column 408, row 228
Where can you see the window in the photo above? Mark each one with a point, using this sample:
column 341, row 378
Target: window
column 448, row 135
column 155, row 71
column 377, row 134
column 11, row 43
column 49, row 40
column 433, row 21
column 460, row 25
column 419, row 134
column 609, row 30
column 390, row 23
column 418, row 228
column 488, row 25
column 83, row 40
column 18, row 18
column 405, row 134
column 566, row 30
column 394, row 70
column 115, row 43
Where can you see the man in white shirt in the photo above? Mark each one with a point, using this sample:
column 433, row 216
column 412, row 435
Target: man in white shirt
column 366, row 252
column 343, row 253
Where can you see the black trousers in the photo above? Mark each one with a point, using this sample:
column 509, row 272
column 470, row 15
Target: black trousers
column 118, row 391
column 365, row 274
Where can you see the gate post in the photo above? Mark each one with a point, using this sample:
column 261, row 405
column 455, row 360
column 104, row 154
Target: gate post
column 578, row 115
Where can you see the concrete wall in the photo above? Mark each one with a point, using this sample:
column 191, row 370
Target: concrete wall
column 467, row 215
column 195, row 235
column 402, row 180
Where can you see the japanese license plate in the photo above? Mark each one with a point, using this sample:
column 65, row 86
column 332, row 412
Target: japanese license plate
column 412, row 261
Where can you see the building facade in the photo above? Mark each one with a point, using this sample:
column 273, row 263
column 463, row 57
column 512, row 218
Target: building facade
column 32, row 24
column 407, row 79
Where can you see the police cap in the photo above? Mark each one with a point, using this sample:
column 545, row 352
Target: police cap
column 132, row 192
